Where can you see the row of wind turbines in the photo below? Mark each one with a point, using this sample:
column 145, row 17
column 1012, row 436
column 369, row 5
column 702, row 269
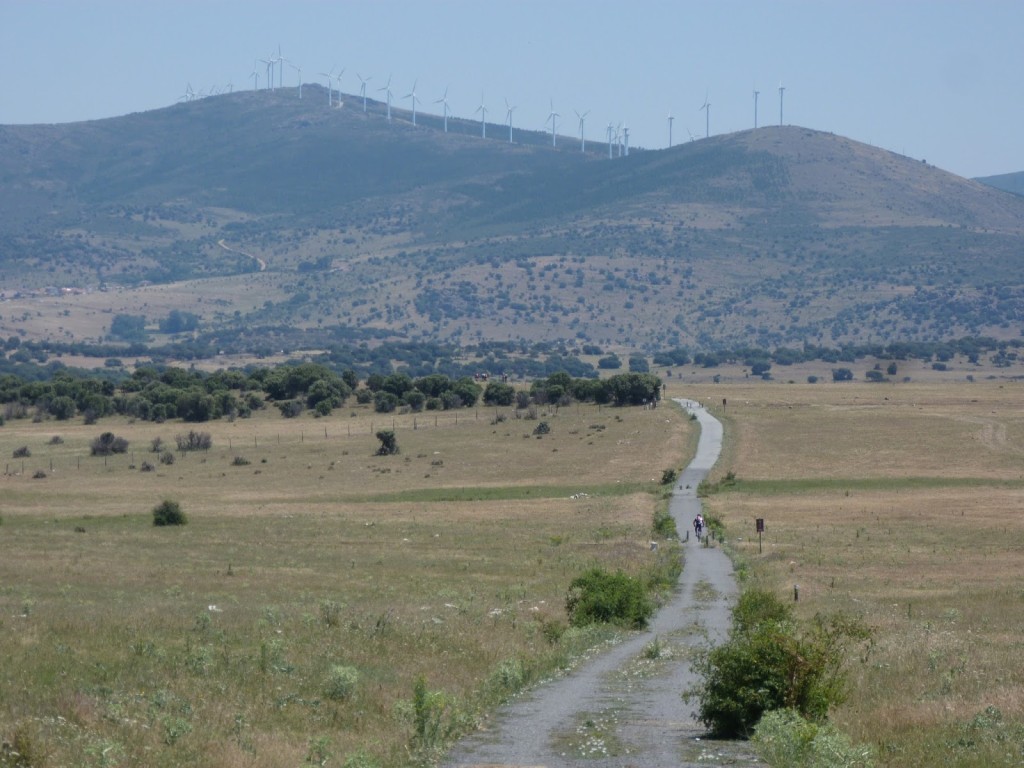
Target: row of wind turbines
column 617, row 135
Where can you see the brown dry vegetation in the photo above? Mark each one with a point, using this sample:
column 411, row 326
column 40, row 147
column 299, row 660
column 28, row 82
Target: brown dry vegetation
column 128, row 644
column 903, row 505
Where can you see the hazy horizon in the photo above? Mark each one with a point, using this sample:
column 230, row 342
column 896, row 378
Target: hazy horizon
column 939, row 81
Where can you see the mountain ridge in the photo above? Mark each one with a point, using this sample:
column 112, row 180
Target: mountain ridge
column 775, row 236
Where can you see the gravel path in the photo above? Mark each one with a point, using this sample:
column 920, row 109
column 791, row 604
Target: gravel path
column 622, row 709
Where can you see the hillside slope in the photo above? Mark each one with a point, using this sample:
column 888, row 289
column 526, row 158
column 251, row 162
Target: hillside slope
column 258, row 211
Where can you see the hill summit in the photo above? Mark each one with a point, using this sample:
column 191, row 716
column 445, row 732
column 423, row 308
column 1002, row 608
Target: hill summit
column 258, row 212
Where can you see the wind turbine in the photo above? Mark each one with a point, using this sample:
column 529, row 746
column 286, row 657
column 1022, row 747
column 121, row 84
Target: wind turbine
column 508, row 119
column 707, row 116
column 256, row 80
column 583, row 145
column 270, row 71
column 443, row 101
column 337, row 79
column 330, row 92
column 387, row 94
column 782, row 90
column 611, row 134
column 412, row 95
column 483, row 116
column 553, row 118
column 280, row 60
column 299, row 70
column 670, row 119
column 362, row 88
column 618, row 140
column 625, row 134
column 756, row 92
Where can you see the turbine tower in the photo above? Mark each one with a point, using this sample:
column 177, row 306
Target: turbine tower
column 256, row 80
column 443, row 101
column 387, row 93
column 337, row 79
column 412, row 95
column 362, row 88
column 611, row 135
column 583, row 146
column 270, row 64
column 330, row 93
column 299, row 70
column 670, row 119
column 707, row 116
column 553, row 118
column 625, row 139
column 782, row 90
column 756, row 92
column 508, row 119
column 483, row 116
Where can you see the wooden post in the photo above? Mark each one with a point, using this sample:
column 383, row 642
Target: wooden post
column 796, row 593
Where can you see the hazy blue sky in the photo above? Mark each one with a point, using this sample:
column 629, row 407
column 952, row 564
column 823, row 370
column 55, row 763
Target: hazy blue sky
column 936, row 79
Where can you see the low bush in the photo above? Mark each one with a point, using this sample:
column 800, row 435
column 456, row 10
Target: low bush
column 664, row 524
column 669, row 476
column 167, row 458
column 168, row 513
column 108, row 443
column 613, row 598
column 783, row 737
column 194, row 441
column 770, row 663
column 21, row 453
column 341, row 682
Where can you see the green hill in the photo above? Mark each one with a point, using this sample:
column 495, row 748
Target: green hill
column 256, row 210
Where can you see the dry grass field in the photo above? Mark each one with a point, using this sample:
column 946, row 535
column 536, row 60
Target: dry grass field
column 902, row 504
column 314, row 583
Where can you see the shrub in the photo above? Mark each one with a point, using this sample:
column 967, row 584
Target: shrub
column 56, row 440
column 614, row 598
column 156, row 445
column 21, row 453
column 388, row 443
column 167, row 458
column 783, row 737
column 669, row 476
column 107, row 444
column 341, row 682
column 291, row 408
column 169, row 513
column 146, row 467
column 770, row 663
column 39, row 475
column 664, row 524
column 194, row 441
column 542, row 428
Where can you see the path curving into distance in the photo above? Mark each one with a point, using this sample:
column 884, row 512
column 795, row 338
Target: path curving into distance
column 650, row 725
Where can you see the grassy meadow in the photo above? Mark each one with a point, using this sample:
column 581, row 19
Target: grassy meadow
column 904, row 505
column 288, row 622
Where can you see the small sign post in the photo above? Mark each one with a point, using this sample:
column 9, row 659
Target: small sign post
column 760, row 530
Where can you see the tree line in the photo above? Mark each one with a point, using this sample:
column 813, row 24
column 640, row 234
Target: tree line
column 152, row 393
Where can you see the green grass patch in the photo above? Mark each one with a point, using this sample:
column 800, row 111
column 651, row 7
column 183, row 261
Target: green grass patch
column 504, row 493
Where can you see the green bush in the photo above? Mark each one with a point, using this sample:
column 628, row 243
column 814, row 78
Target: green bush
column 341, row 682
column 770, row 663
column 168, row 513
column 614, row 598
column 664, row 524
column 388, row 443
column 669, row 476
column 108, row 443
column 783, row 737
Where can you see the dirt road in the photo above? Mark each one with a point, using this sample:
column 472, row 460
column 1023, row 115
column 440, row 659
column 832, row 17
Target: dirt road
column 623, row 708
